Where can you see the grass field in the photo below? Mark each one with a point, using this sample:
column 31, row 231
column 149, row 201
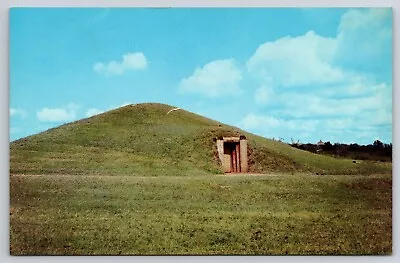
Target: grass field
column 201, row 215
column 137, row 180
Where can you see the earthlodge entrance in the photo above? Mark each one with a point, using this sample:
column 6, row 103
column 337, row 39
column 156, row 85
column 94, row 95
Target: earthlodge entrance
column 232, row 152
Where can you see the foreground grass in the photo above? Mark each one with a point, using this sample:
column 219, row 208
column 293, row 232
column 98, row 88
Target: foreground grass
column 200, row 215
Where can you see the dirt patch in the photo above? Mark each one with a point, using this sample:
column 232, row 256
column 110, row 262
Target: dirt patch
column 246, row 174
column 25, row 175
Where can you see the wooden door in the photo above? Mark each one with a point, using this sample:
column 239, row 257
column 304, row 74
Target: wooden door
column 238, row 158
column 234, row 160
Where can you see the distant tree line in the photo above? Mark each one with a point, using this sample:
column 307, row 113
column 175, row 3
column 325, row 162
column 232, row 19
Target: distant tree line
column 377, row 151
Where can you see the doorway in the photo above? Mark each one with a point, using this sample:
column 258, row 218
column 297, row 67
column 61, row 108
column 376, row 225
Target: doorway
column 232, row 154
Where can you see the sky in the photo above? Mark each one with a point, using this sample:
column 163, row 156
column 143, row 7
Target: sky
column 294, row 74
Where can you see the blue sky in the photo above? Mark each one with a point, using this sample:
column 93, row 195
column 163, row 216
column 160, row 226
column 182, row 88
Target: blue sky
column 290, row 73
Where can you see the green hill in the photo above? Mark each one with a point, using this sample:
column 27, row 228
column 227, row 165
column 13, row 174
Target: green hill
column 144, row 140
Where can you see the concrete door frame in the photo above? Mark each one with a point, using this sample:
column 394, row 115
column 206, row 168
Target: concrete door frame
column 234, row 157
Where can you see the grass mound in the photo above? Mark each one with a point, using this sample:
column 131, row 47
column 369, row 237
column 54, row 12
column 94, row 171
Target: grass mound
column 146, row 140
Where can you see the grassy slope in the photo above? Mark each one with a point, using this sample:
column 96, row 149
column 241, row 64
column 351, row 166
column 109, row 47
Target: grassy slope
column 143, row 140
column 285, row 214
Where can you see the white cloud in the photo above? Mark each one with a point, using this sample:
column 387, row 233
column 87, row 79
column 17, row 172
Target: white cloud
column 357, row 19
column 18, row 112
column 252, row 121
column 296, row 61
column 335, row 119
column 339, row 123
column 130, row 61
column 269, row 123
column 93, row 111
column 64, row 114
column 365, row 38
column 336, row 129
column 323, row 86
column 355, row 87
column 363, row 42
column 264, row 94
column 54, row 115
column 120, row 105
column 382, row 117
column 217, row 78
column 125, row 104
column 375, row 107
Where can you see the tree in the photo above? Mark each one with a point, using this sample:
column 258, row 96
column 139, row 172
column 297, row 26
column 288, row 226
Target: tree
column 378, row 145
column 354, row 147
column 327, row 146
